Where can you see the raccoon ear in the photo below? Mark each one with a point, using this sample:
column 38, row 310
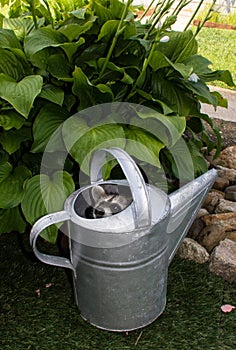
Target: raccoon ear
column 97, row 193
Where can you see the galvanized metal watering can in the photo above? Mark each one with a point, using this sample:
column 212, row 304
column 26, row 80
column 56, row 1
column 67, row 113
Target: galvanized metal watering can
column 120, row 263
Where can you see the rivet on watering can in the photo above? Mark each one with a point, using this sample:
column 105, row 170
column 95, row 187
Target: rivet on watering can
column 120, row 263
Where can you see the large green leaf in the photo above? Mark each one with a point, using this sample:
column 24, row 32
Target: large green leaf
column 108, row 30
column 8, row 39
column 81, row 140
column 59, row 67
column 11, row 65
column 12, row 139
column 20, row 26
column 43, row 195
column 11, row 184
column 174, row 95
column 53, row 94
column 41, row 38
column 167, row 129
column 89, row 94
column 180, row 46
column 21, row 94
column 48, row 120
column 10, row 119
column 71, row 48
column 11, row 220
column 143, row 145
column 73, row 31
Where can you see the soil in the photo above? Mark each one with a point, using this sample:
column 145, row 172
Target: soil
column 227, row 130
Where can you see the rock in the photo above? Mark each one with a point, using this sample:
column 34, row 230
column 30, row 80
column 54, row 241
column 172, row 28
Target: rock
column 192, row 250
column 231, row 235
column 226, row 220
column 223, row 260
column 221, row 183
column 201, row 213
column 227, row 173
column 212, row 199
column 228, row 157
column 225, row 206
column 196, row 228
column 211, row 236
column 230, row 193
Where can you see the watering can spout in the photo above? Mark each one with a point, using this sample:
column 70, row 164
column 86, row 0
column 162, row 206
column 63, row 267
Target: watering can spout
column 185, row 204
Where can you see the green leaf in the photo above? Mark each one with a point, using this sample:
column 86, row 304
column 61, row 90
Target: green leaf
column 11, row 220
column 8, row 39
column 59, row 67
column 73, row 31
column 11, row 184
column 21, row 94
column 81, row 140
column 41, row 38
column 143, row 145
column 108, row 30
column 158, row 60
column 11, row 65
column 71, row 48
column 167, row 129
column 174, row 95
column 53, row 94
column 123, row 76
column 11, row 140
column 103, row 13
column 148, row 97
column 88, row 93
column 202, row 91
column 10, row 119
column 43, row 195
column 20, row 26
column 48, row 120
column 221, row 75
column 180, row 46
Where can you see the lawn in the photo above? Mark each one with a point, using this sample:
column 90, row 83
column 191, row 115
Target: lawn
column 219, row 46
column 38, row 309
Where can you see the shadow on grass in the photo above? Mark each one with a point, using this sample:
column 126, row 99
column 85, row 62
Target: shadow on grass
column 38, row 309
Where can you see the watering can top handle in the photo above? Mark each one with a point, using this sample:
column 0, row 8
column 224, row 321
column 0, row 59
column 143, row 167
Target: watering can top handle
column 134, row 177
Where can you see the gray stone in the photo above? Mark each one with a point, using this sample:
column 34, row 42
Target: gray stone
column 212, row 199
column 227, row 173
column 211, row 236
column 223, row 260
column 192, row 250
column 221, row 183
column 225, row 206
column 201, row 213
column 230, row 193
column 228, row 157
column 196, row 228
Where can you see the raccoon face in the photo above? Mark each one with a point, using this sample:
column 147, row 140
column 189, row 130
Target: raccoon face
column 107, row 201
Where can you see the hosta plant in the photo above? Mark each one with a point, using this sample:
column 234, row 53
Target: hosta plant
column 57, row 60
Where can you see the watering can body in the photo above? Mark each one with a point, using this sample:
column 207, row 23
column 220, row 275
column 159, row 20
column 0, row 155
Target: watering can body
column 120, row 263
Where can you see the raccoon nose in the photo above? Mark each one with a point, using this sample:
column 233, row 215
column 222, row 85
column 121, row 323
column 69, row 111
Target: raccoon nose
column 99, row 212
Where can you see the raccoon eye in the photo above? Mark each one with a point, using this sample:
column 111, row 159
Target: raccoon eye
column 115, row 208
column 99, row 213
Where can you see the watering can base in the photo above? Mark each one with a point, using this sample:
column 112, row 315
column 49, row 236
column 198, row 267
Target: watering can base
column 125, row 329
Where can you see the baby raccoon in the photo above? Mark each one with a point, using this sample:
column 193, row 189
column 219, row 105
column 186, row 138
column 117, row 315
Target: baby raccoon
column 107, row 201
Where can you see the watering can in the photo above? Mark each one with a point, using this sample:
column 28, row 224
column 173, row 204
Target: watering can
column 120, row 262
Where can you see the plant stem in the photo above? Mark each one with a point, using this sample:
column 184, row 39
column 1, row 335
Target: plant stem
column 147, row 9
column 119, row 30
column 194, row 14
column 32, row 9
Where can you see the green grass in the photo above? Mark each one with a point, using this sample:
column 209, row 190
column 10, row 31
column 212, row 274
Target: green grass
column 219, row 47
column 192, row 318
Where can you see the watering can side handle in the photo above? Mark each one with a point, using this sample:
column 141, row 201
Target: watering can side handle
column 36, row 230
